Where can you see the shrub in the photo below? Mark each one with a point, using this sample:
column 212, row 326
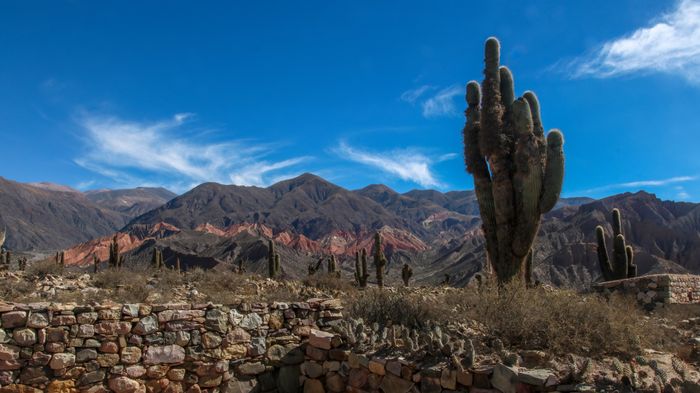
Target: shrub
column 386, row 307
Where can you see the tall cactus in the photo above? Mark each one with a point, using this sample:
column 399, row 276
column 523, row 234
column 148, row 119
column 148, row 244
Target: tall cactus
column 406, row 274
column 361, row 274
column 379, row 259
column 114, row 257
column 95, row 263
column 517, row 173
column 622, row 257
column 157, row 259
column 333, row 267
column 273, row 260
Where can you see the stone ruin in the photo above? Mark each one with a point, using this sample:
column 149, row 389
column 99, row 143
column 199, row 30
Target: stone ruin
column 259, row 347
column 656, row 289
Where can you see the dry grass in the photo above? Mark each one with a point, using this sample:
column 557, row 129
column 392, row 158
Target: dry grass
column 560, row 321
column 388, row 307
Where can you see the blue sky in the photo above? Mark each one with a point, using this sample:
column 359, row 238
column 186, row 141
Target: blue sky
column 121, row 94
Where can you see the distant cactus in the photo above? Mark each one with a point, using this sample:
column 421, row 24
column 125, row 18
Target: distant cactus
column 622, row 258
column 241, row 269
column 62, row 259
column 114, row 257
column 177, row 265
column 277, row 265
column 2, row 238
column 314, row 267
column 95, row 263
column 379, row 259
column 406, row 274
column 273, row 264
column 517, row 173
column 446, row 280
column 333, row 267
column 361, row 273
column 157, row 259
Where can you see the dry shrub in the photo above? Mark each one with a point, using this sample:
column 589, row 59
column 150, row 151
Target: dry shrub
column 43, row 268
column 220, row 286
column 387, row 307
column 327, row 282
column 560, row 321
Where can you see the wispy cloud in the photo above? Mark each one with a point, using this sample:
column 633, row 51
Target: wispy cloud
column 411, row 96
column 671, row 44
column 134, row 153
column 641, row 183
column 406, row 164
column 682, row 194
column 440, row 104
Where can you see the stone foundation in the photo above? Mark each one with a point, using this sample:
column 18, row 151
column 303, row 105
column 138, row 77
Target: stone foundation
column 657, row 288
column 276, row 347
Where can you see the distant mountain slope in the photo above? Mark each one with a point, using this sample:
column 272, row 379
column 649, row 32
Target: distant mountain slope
column 132, row 202
column 41, row 218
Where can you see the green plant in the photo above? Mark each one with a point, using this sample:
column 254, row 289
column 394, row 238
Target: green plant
column 622, row 265
column 379, row 259
column 517, row 174
column 406, row 274
column 361, row 274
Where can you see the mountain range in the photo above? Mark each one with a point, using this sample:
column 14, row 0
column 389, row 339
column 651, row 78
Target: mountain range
column 438, row 234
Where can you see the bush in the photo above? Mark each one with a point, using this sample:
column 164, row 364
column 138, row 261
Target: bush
column 43, row 268
column 386, row 307
column 560, row 321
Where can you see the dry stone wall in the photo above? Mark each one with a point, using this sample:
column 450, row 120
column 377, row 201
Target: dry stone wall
column 275, row 347
column 657, row 288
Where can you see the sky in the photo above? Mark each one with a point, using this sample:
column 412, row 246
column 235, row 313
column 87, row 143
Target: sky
column 117, row 94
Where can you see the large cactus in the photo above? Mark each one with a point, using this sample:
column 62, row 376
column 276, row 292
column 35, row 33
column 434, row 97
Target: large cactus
column 361, row 273
column 622, row 257
column 518, row 174
column 333, row 267
column 379, row 259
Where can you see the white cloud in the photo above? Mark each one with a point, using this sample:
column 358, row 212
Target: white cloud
column 440, row 104
column 670, row 45
column 406, row 164
column 132, row 153
column 411, row 96
column 643, row 183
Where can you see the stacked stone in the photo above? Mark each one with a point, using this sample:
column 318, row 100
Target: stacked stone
column 160, row 348
column 657, row 289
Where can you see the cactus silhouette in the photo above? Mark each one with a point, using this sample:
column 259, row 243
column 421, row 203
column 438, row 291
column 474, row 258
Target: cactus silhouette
column 379, row 259
column 406, row 274
column 622, row 265
column 517, row 173
column 273, row 260
column 114, row 257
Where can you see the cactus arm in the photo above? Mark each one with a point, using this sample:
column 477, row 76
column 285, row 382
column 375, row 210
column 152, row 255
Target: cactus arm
column 553, row 172
column 620, row 257
column 476, row 165
column 616, row 222
column 631, row 267
column 527, row 179
column 603, row 258
column 507, row 87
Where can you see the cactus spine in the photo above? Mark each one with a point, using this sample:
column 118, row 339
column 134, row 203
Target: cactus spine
column 406, row 274
column 518, row 174
column 361, row 273
column 379, row 259
column 622, row 257
column 273, row 260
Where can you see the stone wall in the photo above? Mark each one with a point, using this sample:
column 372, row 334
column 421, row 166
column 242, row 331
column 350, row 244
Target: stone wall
column 276, row 347
column 657, row 288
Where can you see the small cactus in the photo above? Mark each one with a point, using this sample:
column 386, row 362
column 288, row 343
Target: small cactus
column 273, row 260
column 379, row 259
column 333, row 266
column 622, row 257
column 241, row 269
column 95, row 263
column 114, row 257
column 406, row 274
column 177, row 265
column 62, row 260
column 314, row 267
column 361, row 273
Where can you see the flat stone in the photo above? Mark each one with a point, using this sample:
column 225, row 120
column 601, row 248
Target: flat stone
column 91, row 377
column 146, row 325
column 131, row 355
column 251, row 368
column 113, row 328
column 393, row 384
column 313, row 386
column 377, row 367
column 37, row 320
column 251, row 321
column 216, row 320
column 211, row 340
column 14, row 319
column 85, row 355
column 537, row 377
column 166, row 354
column 59, row 386
column 320, row 339
column 24, row 337
column 125, row 385
column 312, row 369
column 504, row 378
column 62, row 360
